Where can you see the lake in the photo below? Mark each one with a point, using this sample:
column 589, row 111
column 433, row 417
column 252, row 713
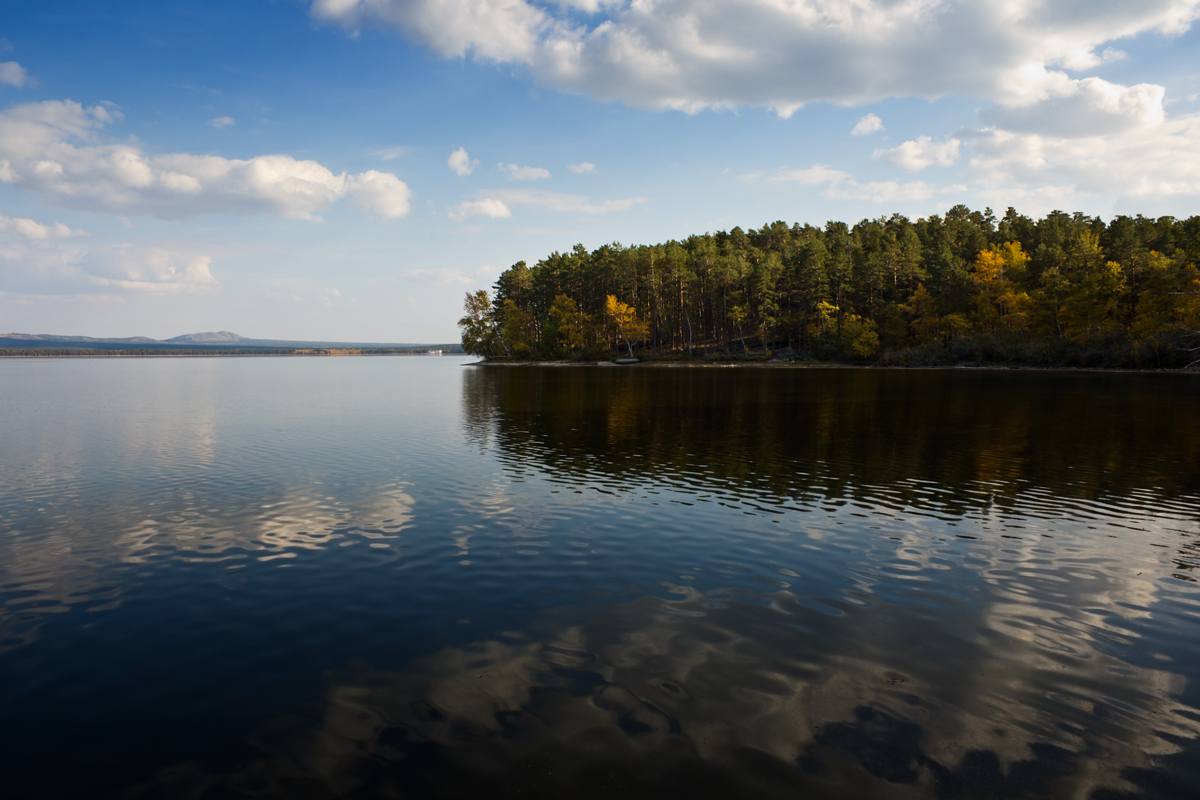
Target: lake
column 405, row 577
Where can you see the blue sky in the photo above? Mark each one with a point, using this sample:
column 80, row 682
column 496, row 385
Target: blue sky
column 287, row 169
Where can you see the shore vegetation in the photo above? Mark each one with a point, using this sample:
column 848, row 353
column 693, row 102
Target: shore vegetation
column 965, row 287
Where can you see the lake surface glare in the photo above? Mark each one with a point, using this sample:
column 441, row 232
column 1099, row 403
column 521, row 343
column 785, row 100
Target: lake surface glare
column 409, row 578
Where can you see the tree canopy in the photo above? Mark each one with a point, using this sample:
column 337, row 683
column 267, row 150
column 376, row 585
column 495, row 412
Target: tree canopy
column 964, row 285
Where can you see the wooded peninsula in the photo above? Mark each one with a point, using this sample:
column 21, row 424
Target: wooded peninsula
column 1066, row 290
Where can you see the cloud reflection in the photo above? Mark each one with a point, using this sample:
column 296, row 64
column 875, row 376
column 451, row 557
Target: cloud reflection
column 721, row 693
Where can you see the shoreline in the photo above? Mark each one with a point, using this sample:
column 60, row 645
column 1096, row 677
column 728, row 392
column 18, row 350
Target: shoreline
column 335, row 354
column 652, row 364
column 829, row 365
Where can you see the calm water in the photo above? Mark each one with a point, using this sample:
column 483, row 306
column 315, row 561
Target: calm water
column 401, row 577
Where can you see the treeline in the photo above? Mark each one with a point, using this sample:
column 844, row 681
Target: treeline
column 1066, row 289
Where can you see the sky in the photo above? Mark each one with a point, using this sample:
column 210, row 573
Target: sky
column 346, row 170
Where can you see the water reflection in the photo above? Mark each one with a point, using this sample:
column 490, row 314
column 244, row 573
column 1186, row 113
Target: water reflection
column 949, row 440
column 113, row 466
column 718, row 695
column 588, row 583
column 59, row 562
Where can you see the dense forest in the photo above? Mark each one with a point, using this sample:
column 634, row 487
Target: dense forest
column 964, row 287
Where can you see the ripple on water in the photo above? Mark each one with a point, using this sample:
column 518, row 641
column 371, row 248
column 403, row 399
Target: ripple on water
column 684, row 582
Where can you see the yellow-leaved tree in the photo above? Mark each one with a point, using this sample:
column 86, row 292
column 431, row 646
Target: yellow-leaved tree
column 999, row 307
column 858, row 335
column 624, row 323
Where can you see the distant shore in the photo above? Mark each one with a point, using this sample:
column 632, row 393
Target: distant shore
column 223, row 353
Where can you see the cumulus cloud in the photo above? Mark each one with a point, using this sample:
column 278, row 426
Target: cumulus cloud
column 1087, row 107
column 53, row 148
column 487, row 207
column 689, row 56
column 149, row 269
column 1124, row 148
column 460, row 163
column 40, row 259
column 32, row 229
column 582, row 168
column 1155, row 161
column 867, row 125
column 379, row 193
column 516, row 173
column 13, row 74
column 221, row 122
column 1087, row 139
column 920, row 153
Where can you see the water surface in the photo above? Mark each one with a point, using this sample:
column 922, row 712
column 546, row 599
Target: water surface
column 402, row 577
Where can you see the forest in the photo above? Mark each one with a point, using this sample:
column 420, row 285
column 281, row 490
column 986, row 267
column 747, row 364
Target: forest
column 965, row 287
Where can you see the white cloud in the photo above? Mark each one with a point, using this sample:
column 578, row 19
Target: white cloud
column 817, row 173
column 479, row 208
column 41, row 260
column 1158, row 161
column 389, row 153
column 497, row 203
column 776, row 54
column 563, row 203
column 53, row 148
column 221, row 122
column 32, row 229
column 920, row 153
column 1087, row 140
column 842, row 186
column 380, row 193
column 461, row 163
column 299, row 290
column 150, row 269
column 582, row 168
column 13, row 74
column 1085, row 107
column 440, row 277
column 881, row 191
column 516, row 173
column 867, row 125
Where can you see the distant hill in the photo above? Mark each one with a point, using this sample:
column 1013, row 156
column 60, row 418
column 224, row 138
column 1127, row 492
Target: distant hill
column 224, row 337
column 47, row 337
column 190, row 342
